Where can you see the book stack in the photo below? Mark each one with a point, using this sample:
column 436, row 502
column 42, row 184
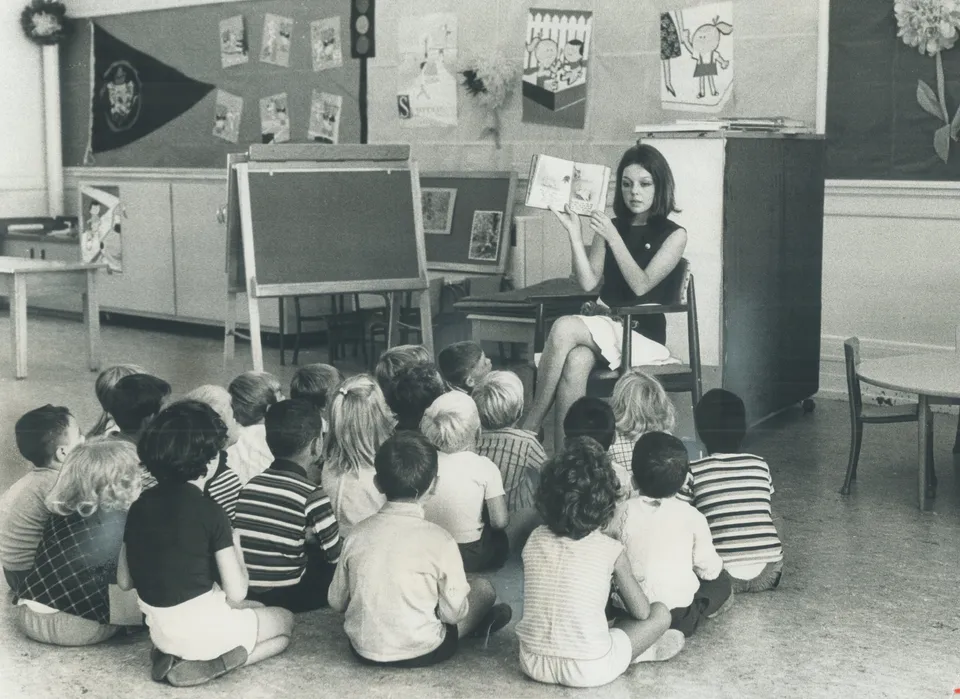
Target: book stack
column 775, row 124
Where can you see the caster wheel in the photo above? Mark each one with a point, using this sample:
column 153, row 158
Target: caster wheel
column 808, row 405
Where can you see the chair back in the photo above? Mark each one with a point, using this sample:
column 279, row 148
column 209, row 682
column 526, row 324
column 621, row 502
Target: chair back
column 693, row 336
column 851, row 359
column 677, row 283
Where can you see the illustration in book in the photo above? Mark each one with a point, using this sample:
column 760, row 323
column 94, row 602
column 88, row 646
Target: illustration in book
column 226, row 120
column 325, row 117
column 556, row 183
column 233, row 42
column 100, row 214
column 426, row 82
column 274, row 119
column 277, row 35
column 556, row 67
column 325, row 43
column 485, row 236
column 696, row 55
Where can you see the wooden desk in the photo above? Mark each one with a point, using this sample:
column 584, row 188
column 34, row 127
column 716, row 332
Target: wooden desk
column 44, row 277
column 935, row 378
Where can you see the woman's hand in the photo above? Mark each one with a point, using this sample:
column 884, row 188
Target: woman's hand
column 601, row 225
column 570, row 220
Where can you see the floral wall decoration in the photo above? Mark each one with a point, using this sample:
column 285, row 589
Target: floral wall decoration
column 489, row 80
column 932, row 26
column 45, row 22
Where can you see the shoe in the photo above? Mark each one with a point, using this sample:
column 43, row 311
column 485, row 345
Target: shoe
column 160, row 664
column 667, row 646
column 189, row 673
column 494, row 620
column 723, row 607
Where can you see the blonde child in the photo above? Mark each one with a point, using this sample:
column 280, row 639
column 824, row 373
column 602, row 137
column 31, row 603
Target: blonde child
column 360, row 422
column 106, row 382
column 252, row 394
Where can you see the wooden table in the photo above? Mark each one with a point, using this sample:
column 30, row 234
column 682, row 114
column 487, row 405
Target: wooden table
column 935, row 378
column 42, row 277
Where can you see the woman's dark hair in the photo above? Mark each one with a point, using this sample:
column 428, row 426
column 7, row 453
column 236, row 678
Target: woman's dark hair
column 578, row 489
column 721, row 421
column 651, row 160
column 179, row 443
column 406, row 465
column 591, row 417
column 660, row 464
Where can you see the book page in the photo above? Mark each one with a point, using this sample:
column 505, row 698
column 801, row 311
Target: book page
column 550, row 181
column 589, row 187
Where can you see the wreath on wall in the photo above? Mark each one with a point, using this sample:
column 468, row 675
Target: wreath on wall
column 490, row 79
column 45, row 22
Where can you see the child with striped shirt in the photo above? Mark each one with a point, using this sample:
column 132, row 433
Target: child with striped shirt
column 733, row 490
column 288, row 532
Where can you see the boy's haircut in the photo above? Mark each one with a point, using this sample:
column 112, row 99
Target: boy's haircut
column 451, row 423
column 103, row 387
column 411, row 391
column 499, row 399
column 40, row 432
column 660, row 464
column 291, row 426
column 134, row 399
column 651, row 160
column 218, row 398
column 406, row 466
column 640, row 404
column 360, row 421
column 253, row 393
column 721, row 420
column 316, row 383
column 103, row 474
column 457, row 361
column 590, row 417
column 578, row 489
column 179, row 443
column 397, row 358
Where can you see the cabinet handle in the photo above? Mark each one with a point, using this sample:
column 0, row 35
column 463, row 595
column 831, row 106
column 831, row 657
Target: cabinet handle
column 222, row 214
column 43, row 254
column 33, row 253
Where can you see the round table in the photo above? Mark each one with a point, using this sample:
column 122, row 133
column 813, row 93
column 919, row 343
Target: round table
column 935, row 378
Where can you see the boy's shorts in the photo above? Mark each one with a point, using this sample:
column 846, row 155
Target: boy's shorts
column 580, row 673
column 766, row 579
column 446, row 650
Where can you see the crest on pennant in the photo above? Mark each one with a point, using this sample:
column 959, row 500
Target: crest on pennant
column 121, row 96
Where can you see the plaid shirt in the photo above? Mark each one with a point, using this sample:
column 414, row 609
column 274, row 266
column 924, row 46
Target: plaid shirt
column 519, row 456
column 76, row 562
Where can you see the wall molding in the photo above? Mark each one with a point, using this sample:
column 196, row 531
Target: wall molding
column 103, row 8
column 892, row 199
column 144, row 173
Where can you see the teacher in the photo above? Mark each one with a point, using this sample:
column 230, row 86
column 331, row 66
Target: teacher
column 633, row 254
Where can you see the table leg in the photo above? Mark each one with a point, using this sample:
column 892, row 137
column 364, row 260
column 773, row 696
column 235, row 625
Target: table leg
column 283, row 330
column 18, row 324
column 924, row 424
column 91, row 316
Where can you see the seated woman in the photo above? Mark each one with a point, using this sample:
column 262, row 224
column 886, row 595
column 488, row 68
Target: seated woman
column 633, row 253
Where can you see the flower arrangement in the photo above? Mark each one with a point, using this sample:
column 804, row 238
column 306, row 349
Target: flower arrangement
column 932, row 26
column 45, row 22
column 490, row 80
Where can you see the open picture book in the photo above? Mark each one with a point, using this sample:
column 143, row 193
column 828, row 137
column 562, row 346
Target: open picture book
column 555, row 182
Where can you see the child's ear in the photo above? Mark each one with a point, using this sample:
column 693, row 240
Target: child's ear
column 60, row 454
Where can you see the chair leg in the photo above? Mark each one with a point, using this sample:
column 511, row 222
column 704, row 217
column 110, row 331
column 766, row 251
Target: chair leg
column 856, row 438
column 931, row 471
column 956, row 442
column 299, row 323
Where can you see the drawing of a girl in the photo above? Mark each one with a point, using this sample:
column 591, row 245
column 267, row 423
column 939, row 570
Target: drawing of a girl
column 703, row 48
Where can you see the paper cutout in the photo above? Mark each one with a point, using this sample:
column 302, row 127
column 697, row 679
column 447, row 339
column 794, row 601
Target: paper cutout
column 100, row 214
column 226, row 120
column 325, row 117
column 274, row 119
column 438, row 204
column 426, row 85
column 696, row 55
column 485, row 236
column 325, row 44
column 275, row 47
column 233, row 42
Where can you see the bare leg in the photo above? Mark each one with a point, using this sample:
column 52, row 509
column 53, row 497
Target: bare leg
column 273, row 633
column 481, row 597
column 572, row 386
column 668, row 78
column 644, row 634
column 568, row 332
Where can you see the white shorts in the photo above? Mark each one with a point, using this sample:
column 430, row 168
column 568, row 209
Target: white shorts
column 607, row 333
column 580, row 673
column 202, row 628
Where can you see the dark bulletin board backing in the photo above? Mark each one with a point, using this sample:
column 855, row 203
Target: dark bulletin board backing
column 875, row 127
column 476, row 191
column 187, row 38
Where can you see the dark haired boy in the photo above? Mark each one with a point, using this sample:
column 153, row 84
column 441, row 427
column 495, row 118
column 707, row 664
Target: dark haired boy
column 400, row 581
column 287, row 528
column 668, row 541
column 462, row 364
column 591, row 417
column 134, row 401
column 411, row 391
column 733, row 490
column 316, row 383
column 45, row 436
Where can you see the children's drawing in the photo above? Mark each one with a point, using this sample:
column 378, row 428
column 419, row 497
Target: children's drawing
column 274, row 119
column 275, row 47
column 485, row 236
column 226, row 120
column 325, row 117
column 233, row 42
column 555, row 68
column 325, row 43
column 696, row 52
column 100, row 214
column 426, row 82
column 437, row 204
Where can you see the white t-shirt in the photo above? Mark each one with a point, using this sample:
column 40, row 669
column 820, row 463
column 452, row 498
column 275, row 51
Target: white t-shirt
column 353, row 495
column 250, row 456
column 464, row 481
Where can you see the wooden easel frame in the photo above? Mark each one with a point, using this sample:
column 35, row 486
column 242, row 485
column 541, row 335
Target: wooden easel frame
column 317, row 158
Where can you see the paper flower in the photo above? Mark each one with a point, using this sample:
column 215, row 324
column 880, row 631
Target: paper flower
column 490, row 79
column 45, row 21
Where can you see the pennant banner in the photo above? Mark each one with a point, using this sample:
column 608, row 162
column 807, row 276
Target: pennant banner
column 133, row 94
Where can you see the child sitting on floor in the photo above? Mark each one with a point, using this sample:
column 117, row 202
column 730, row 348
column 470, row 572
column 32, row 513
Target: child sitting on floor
column 395, row 359
column 462, row 364
column 287, row 529
column 252, row 393
column 400, row 581
column 567, row 568
column 411, row 391
column 667, row 540
column 134, row 401
column 516, row 452
column 733, row 490
column 45, row 436
column 316, row 383
column 106, row 382
column 360, row 422
column 467, row 484
column 590, row 417
column 185, row 562
column 66, row 600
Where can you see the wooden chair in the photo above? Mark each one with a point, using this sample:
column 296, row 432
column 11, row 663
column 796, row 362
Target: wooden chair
column 408, row 323
column 861, row 414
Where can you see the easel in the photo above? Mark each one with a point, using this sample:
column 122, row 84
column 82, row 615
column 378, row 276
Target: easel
column 300, row 236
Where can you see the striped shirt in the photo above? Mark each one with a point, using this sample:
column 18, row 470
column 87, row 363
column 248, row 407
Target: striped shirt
column 733, row 492
column 566, row 585
column 276, row 512
column 519, row 456
column 224, row 487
